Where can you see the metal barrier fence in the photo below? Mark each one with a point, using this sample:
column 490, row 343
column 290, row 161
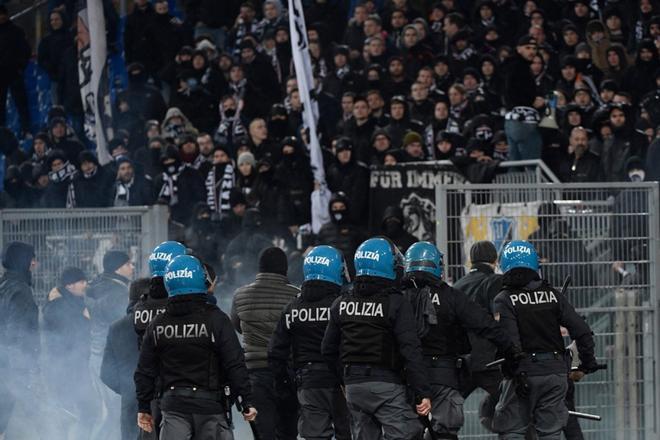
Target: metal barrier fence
column 80, row 237
column 605, row 237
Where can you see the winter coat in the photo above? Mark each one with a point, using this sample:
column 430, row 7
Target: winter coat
column 106, row 301
column 51, row 51
column 19, row 325
column 255, row 312
column 394, row 230
column 353, row 180
column 120, row 357
column 585, row 169
column 137, row 45
column 14, row 52
column 519, row 85
column 294, row 176
column 345, row 237
column 68, row 85
column 95, row 191
column 138, row 192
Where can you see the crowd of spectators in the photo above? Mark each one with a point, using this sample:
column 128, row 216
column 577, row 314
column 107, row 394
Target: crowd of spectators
column 211, row 123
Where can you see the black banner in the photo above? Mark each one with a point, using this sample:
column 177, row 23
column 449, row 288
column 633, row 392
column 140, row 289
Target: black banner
column 411, row 187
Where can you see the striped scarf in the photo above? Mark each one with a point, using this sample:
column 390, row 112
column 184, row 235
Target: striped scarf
column 217, row 190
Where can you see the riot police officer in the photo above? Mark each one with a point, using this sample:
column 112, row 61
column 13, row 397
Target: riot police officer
column 153, row 304
column 445, row 338
column 372, row 337
column 191, row 350
column 323, row 411
column 531, row 312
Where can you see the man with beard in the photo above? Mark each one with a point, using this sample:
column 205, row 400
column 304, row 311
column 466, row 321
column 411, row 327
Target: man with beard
column 131, row 188
column 581, row 165
column 624, row 143
column 349, row 176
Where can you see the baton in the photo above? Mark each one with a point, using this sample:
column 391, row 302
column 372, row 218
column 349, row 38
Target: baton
column 581, row 415
column 495, row 363
column 567, row 282
column 253, row 424
column 426, row 421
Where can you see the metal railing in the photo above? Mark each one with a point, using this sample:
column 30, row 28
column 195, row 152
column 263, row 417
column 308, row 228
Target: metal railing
column 605, row 236
column 80, row 237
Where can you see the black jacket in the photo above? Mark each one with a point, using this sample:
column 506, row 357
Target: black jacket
column 213, row 357
column 393, row 228
column 519, row 84
column 548, row 312
column 353, row 180
column 14, row 52
column 402, row 336
column 299, row 333
column 345, row 237
column 585, row 169
column 19, row 323
column 95, row 191
column 119, row 360
column 51, row 50
column 137, row 45
column 481, row 285
column 106, row 301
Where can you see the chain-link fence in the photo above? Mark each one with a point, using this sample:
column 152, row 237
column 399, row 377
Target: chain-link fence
column 80, row 237
column 605, row 238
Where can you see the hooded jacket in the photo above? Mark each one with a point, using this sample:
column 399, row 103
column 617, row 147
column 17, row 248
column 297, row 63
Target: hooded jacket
column 392, row 227
column 106, row 301
column 19, row 314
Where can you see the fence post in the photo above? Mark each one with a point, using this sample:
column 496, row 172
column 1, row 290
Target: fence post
column 154, row 225
column 654, row 280
column 441, row 211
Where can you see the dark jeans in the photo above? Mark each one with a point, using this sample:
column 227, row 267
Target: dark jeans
column 524, row 140
column 278, row 414
column 17, row 87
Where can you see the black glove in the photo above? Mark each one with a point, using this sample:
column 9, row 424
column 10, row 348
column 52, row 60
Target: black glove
column 514, row 354
column 285, row 389
column 591, row 367
column 522, row 386
column 512, row 357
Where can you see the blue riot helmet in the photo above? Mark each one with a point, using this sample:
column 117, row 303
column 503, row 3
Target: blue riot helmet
column 519, row 254
column 378, row 257
column 325, row 263
column 423, row 256
column 162, row 255
column 185, row 275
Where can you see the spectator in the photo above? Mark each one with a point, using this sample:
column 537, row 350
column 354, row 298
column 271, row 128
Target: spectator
column 93, row 184
column 147, row 157
column 201, row 236
column 350, row 177
column 51, row 51
column 360, row 128
column 66, row 329
column 15, row 51
column 246, row 173
column 60, row 140
column 60, row 192
column 341, row 233
column 131, row 189
column 581, row 164
column 520, row 97
column 219, row 183
column 400, row 122
column 392, row 227
column 139, row 48
column 294, row 175
column 624, row 143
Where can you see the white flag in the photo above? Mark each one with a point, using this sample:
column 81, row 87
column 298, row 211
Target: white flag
column 93, row 76
column 305, row 78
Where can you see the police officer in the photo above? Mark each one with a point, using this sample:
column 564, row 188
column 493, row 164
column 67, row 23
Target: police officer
column 372, row 336
column 323, row 411
column 191, row 350
column 153, row 304
column 531, row 312
column 481, row 285
column 445, row 338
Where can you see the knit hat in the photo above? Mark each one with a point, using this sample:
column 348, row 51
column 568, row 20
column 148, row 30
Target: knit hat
column 113, row 260
column 483, row 252
column 18, row 256
column 410, row 137
column 72, row 275
column 246, row 157
column 273, row 260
